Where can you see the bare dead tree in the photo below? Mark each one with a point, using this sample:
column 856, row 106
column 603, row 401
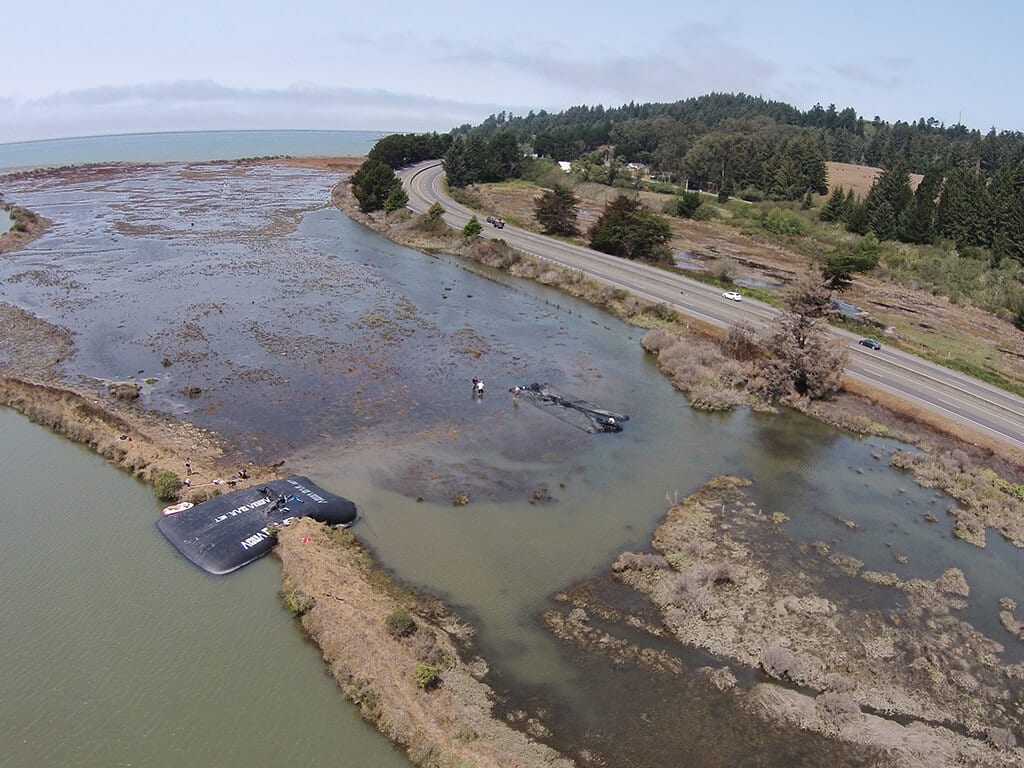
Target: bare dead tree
column 805, row 360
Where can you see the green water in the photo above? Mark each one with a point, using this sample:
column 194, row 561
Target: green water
column 115, row 652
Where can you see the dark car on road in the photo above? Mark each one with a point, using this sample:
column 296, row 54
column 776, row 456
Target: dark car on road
column 870, row 343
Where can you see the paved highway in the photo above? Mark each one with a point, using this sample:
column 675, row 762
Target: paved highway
column 960, row 398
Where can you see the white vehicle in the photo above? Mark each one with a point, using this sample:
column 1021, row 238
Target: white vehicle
column 732, row 296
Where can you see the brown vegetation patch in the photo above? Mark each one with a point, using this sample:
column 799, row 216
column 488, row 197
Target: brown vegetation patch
column 31, row 227
column 921, row 685
column 342, row 163
column 141, row 443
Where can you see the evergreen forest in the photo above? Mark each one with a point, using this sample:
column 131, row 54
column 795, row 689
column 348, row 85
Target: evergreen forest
column 736, row 145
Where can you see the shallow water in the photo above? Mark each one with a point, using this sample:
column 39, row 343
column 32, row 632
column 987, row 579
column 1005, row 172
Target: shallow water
column 314, row 340
column 117, row 652
column 6, row 222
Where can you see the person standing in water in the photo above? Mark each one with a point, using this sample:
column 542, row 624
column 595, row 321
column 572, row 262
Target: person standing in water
column 479, row 386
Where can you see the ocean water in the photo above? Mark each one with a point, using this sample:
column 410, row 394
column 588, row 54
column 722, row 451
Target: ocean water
column 189, row 146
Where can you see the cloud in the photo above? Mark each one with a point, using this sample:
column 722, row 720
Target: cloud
column 171, row 94
column 888, row 79
column 689, row 60
column 209, row 105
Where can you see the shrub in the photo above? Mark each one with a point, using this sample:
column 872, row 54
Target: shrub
column 124, row 390
column 543, row 171
column 699, row 548
column 396, row 199
column 1002, row 738
column 742, row 343
column 705, row 213
column 725, row 270
column 711, row 396
column 426, row 676
column 781, row 663
column 433, row 219
column 473, row 227
column 400, row 624
column 424, row 646
column 720, row 573
column 166, row 486
column 692, row 598
column 638, row 561
column 781, row 222
column 299, row 603
column 662, row 312
column 658, row 339
column 838, row 707
column 687, row 204
column 751, row 195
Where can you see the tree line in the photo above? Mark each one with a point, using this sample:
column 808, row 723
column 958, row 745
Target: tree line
column 972, row 192
column 984, row 217
column 660, row 134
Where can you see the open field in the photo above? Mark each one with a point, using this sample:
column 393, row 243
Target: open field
column 859, row 178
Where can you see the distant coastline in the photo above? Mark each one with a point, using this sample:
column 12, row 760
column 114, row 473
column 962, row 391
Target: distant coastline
column 183, row 146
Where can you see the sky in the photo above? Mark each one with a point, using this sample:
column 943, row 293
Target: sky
column 109, row 67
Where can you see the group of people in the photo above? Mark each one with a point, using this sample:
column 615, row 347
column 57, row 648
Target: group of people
column 478, row 387
column 242, row 474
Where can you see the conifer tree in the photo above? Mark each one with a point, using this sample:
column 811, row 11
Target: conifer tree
column 857, row 218
column 455, row 168
column 918, row 221
column 1011, row 237
column 374, row 184
column 960, row 215
column 849, row 204
column 833, row 209
column 557, row 210
column 890, row 195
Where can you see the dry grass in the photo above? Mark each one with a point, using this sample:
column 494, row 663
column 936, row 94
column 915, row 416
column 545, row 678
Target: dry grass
column 141, row 443
column 448, row 723
column 859, row 178
column 345, row 164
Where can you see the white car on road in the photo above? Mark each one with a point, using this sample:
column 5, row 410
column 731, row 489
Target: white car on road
column 732, row 296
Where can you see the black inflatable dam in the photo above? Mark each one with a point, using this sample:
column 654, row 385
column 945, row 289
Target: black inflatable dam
column 226, row 532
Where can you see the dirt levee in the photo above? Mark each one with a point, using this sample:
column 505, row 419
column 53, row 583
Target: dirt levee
column 348, row 610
